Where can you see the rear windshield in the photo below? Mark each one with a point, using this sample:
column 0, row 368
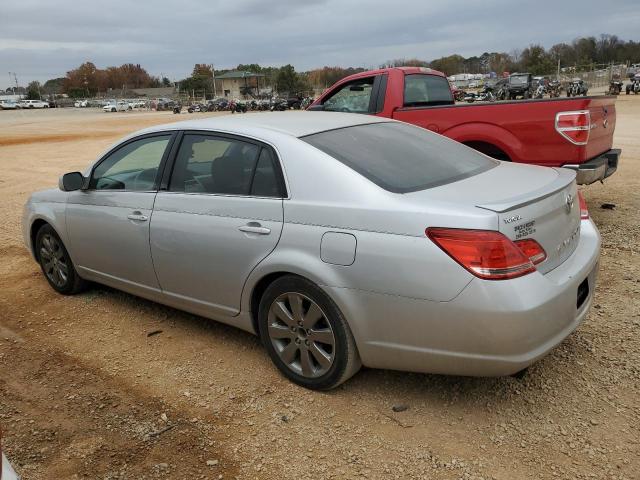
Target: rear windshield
column 519, row 79
column 401, row 158
column 425, row 90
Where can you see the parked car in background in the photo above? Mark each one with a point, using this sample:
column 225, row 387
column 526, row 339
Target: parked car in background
column 341, row 240
column 520, row 85
column 160, row 104
column 33, row 104
column 634, row 85
column 81, row 103
column 577, row 87
column 9, row 105
column 576, row 133
column 119, row 106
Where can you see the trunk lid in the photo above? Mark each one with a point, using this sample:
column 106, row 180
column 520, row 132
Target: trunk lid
column 550, row 215
column 530, row 202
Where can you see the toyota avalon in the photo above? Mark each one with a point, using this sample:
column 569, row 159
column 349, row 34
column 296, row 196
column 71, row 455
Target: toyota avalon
column 341, row 240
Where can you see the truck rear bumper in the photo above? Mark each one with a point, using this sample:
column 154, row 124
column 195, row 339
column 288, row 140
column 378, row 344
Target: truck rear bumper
column 597, row 168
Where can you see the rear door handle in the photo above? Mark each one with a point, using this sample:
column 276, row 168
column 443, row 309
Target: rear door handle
column 255, row 227
column 138, row 216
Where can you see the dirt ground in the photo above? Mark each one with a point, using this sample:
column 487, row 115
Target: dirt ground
column 86, row 392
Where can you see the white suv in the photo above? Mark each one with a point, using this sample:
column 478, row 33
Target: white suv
column 33, row 104
column 119, row 106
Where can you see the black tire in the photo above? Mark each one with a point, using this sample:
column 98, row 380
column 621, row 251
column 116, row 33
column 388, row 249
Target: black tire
column 346, row 361
column 73, row 283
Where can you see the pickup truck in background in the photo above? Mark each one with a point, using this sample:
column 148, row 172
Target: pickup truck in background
column 576, row 133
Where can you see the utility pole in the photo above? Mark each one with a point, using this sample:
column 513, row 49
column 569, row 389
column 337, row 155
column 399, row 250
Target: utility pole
column 213, row 79
column 15, row 80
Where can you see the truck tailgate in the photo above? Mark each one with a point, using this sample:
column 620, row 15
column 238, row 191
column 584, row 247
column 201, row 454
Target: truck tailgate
column 603, row 122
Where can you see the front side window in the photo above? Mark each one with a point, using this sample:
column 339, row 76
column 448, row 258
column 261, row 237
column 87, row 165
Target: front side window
column 133, row 167
column 221, row 165
column 401, row 158
column 426, row 90
column 354, row 97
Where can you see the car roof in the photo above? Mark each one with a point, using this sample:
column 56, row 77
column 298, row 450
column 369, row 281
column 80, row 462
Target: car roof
column 293, row 123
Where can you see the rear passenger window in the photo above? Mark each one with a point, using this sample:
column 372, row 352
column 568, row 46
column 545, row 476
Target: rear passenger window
column 265, row 180
column 221, row 165
column 426, row 90
column 207, row 164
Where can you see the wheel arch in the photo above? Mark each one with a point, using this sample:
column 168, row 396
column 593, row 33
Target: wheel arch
column 35, row 227
column 489, row 137
column 281, row 263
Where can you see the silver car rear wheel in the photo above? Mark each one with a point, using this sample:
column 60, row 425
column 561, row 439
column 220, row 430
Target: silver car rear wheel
column 306, row 334
column 301, row 335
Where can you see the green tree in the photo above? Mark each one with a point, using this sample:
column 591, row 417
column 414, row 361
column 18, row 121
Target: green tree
column 534, row 59
column 449, row 65
column 53, row 86
column 33, row 91
column 287, row 79
column 166, row 82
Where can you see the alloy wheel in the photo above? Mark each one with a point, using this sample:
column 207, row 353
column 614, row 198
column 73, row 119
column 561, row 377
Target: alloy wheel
column 301, row 335
column 53, row 261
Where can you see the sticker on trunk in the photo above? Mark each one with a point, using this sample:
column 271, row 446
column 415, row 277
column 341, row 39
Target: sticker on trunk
column 525, row 229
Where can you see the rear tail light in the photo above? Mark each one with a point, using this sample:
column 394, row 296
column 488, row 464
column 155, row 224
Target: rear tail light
column 532, row 250
column 574, row 126
column 488, row 254
column 584, row 211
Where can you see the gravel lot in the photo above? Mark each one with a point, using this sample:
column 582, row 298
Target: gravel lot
column 85, row 392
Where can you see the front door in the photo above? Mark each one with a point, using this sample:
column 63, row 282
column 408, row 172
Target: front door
column 220, row 216
column 108, row 223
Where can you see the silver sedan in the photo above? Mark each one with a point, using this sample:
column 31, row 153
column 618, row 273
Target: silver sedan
column 341, row 240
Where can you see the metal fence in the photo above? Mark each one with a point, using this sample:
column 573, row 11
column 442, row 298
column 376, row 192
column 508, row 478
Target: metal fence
column 599, row 77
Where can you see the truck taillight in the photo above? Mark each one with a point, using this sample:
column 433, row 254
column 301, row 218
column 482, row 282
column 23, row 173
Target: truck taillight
column 574, row 126
column 488, row 254
column 584, row 211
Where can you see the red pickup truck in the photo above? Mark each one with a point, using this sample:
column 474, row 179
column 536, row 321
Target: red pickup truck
column 565, row 132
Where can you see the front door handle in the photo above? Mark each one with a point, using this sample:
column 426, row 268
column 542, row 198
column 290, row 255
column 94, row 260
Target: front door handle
column 255, row 227
column 138, row 216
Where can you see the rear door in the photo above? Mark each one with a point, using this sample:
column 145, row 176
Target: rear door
column 218, row 215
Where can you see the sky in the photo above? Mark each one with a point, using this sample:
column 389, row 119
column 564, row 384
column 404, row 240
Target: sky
column 43, row 39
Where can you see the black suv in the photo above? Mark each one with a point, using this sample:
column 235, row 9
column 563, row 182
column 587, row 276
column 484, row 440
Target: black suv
column 520, row 85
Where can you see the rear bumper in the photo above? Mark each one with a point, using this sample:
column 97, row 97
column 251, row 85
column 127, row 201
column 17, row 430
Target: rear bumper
column 597, row 168
column 490, row 329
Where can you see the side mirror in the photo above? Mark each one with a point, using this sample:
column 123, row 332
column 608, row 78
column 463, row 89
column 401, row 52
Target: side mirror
column 71, row 181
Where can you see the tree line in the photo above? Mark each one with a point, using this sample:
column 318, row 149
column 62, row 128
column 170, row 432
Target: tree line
column 582, row 54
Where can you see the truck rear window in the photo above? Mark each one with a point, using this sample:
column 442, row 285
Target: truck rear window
column 426, row 90
column 399, row 157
